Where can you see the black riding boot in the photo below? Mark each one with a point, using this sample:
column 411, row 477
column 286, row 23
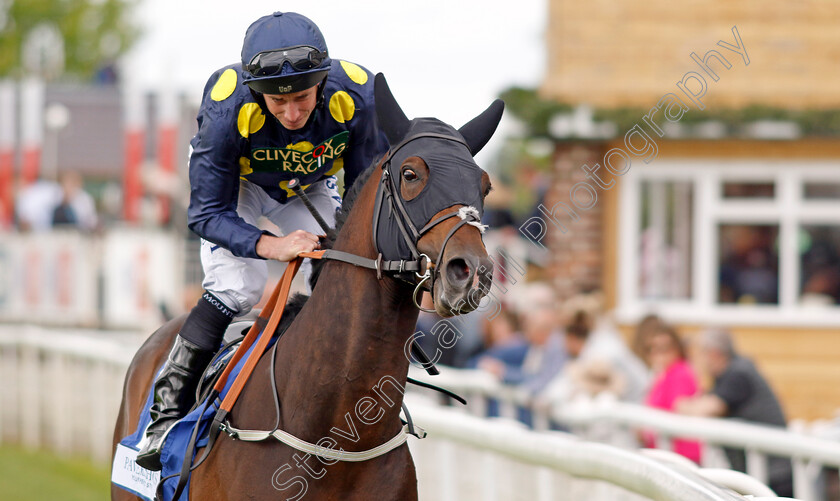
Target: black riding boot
column 174, row 394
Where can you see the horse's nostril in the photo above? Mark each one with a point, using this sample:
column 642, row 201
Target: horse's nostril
column 457, row 270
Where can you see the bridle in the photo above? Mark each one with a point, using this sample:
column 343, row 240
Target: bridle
column 413, row 270
column 388, row 192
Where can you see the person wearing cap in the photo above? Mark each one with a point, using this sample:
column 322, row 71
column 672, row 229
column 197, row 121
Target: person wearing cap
column 740, row 392
column 287, row 111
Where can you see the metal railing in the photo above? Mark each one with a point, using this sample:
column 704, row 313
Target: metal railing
column 808, row 454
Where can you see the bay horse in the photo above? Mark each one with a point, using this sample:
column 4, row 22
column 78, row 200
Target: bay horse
column 340, row 368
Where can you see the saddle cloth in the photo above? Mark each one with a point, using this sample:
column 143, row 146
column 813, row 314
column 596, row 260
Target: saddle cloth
column 128, row 475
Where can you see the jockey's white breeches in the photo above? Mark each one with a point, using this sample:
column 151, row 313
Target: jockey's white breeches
column 239, row 282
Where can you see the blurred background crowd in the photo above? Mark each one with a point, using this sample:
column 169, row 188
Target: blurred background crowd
column 566, row 353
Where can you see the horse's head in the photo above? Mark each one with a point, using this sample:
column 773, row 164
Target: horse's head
column 431, row 200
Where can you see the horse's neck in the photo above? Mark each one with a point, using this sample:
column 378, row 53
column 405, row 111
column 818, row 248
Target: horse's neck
column 349, row 338
column 365, row 320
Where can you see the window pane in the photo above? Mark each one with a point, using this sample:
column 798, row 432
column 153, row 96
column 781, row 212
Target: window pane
column 821, row 191
column 749, row 190
column 749, row 264
column 665, row 242
column 819, row 264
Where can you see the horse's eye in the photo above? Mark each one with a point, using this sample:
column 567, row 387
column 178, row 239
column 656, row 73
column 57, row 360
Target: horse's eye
column 409, row 175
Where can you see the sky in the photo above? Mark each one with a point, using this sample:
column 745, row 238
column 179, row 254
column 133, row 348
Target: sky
column 442, row 58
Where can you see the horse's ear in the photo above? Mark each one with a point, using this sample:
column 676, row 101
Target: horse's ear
column 480, row 129
column 391, row 118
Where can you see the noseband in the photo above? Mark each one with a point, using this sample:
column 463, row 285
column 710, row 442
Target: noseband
column 413, row 270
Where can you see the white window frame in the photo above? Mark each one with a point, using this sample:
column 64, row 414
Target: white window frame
column 787, row 210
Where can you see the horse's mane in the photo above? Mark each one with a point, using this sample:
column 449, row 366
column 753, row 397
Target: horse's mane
column 295, row 304
column 346, row 206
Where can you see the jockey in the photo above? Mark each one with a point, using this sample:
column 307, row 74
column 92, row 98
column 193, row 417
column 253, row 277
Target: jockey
column 289, row 111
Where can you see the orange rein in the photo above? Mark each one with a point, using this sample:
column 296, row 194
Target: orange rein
column 272, row 312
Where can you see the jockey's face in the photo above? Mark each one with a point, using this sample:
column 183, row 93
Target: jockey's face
column 293, row 109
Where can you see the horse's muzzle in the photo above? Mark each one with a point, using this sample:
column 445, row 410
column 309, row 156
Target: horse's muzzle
column 462, row 283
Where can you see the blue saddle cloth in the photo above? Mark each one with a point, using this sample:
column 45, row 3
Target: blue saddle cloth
column 177, row 440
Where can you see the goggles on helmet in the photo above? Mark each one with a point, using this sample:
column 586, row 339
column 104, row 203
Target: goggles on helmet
column 270, row 62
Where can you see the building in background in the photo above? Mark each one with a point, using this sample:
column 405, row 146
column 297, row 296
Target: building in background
column 734, row 219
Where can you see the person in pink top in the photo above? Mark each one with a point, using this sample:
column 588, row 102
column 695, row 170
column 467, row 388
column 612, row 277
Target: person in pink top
column 673, row 379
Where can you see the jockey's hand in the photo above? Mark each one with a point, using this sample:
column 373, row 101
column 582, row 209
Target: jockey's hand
column 288, row 247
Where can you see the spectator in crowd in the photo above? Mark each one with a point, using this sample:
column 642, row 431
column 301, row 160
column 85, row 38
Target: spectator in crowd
column 503, row 341
column 593, row 376
column 749, row 265
column 673, row 379
column 76, row 207
column 35, row 205
column 820, row 270
column 600, row 366
column 647, row 325
column 600, row 353
column 546, row 355
column 741, row 392
column 602, row 363
column 44, row 204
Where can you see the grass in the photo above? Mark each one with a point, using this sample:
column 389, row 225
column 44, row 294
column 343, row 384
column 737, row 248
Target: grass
column 37, row 476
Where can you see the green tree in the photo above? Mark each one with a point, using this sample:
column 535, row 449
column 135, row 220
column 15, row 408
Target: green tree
column 64, row 38
column 533, row 111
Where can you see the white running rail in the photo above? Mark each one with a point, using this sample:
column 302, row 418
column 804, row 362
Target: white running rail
column 808, row 454
column 466, row 457
column 61, row 391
